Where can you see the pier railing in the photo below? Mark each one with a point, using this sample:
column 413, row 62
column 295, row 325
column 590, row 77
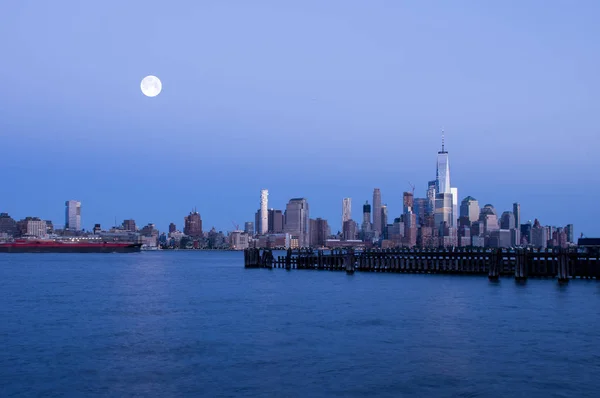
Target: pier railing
column 518, row 263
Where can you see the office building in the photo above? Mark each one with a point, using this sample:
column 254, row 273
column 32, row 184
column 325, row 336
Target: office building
column 349, row 230
column 192, row 225
column 517, row 214
column 129, row 225
column 8, row 225
column 454, row 192
column 275, row 224
column 569, row 232
column 443, row 210
column 507, row 220
column 384, row 220
column 73, row 215
column 442, row 175
column 172, row 228
column 297, row 221
column 319, row 231
column 377, row 229
column 469, row 211
column 249, row 228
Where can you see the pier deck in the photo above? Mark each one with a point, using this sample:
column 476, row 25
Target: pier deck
column 518, row 263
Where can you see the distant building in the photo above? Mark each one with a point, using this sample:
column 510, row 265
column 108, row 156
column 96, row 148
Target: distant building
column 319, row 232
column 366, row 223
column 517, row 214
column 507, row 220
column 346, row 210
column 264, row 216
column 469, row 211
column 297, row 220
column 539, row 235
column 193, row 225
column 420, row 206
column 349, row 230
column 384, row 221
column 489, row 219
column 49, row 227
column 443, row 209
column 172, row 228
column 8, row 225
column 377, row 229
column 526, row 233
column 249, row 228
column 275, row 221
column 36, row 227
column 73, row 215
column 238, row 240
column 129, row 225
column 97, row 229
column 570, row 233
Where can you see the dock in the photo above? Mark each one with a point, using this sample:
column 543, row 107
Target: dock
column 520, row 264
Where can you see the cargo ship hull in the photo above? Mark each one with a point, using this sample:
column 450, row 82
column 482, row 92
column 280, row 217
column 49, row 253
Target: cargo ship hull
column 70, row 248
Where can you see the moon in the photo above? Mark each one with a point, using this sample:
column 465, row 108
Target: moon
column 151, row 86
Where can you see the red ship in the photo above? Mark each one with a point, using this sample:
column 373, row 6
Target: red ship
column 56, row 246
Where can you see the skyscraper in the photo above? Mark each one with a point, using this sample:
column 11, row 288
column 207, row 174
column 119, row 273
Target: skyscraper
column 275, row 221
column 442, row 175
column 73, row 215
column 264, row 216
column 366, row 224
column 454, row 192
column 469, row 211
column 443, row 209
column 193, row 225
column 431, row 197
column 346, row 210
column 377, row 227
column 507, row 220
column 297, row 220
column 384, row 221
column 517, row 214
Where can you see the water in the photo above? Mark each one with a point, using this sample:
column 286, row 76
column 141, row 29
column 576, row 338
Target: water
column 199, row 324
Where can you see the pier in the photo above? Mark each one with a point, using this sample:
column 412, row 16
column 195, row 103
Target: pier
column 494, row 263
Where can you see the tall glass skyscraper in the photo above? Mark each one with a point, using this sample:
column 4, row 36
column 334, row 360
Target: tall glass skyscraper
column 442, row 174
column 346, row 210
column 73, row 215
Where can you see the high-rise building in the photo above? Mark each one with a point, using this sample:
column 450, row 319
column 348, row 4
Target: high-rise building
column 377, row 228
column 129, row 225
column 8, row 225
column 420, row 209
column 193, row 225
column 443, row 209
column 36, row 227
column 507, row 220
column 73, row 215
column 526, row 232
column 275, row 221
column 517, row 214
column 349, row 230
column 264, row 216
column 407, row 202
column 249, row 228
column 442, row 175
column 366, row 224
column 569, row 233
column 384, row 220
column 431, row 197
column 172, row 228
column 319, row 231
column 297, row 220
column 469, row 211
column 346, row 210
column 489, row 218
column 454, row 192
column 539, row 235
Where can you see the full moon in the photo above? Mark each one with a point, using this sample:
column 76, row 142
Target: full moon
column 151, row 86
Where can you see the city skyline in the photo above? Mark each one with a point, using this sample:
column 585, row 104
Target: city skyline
column 355, row 102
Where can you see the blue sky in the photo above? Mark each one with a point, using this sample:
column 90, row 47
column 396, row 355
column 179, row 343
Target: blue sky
column 321, row 99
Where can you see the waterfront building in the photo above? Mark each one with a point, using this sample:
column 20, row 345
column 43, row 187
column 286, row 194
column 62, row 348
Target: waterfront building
column 377, row 229
column 129, row 225
column 73, row 215
column 193, row 225
column 275, row 224
column 172, row 228
column 238, row 240
column 297, row 220
column 36, row 227
column 8, row 225
column 97, row 229
column 264, row 216
column 539, row 235
column 319, row 232
column 349, row 230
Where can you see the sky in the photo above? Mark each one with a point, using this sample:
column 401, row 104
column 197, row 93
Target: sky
column 315, row 99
